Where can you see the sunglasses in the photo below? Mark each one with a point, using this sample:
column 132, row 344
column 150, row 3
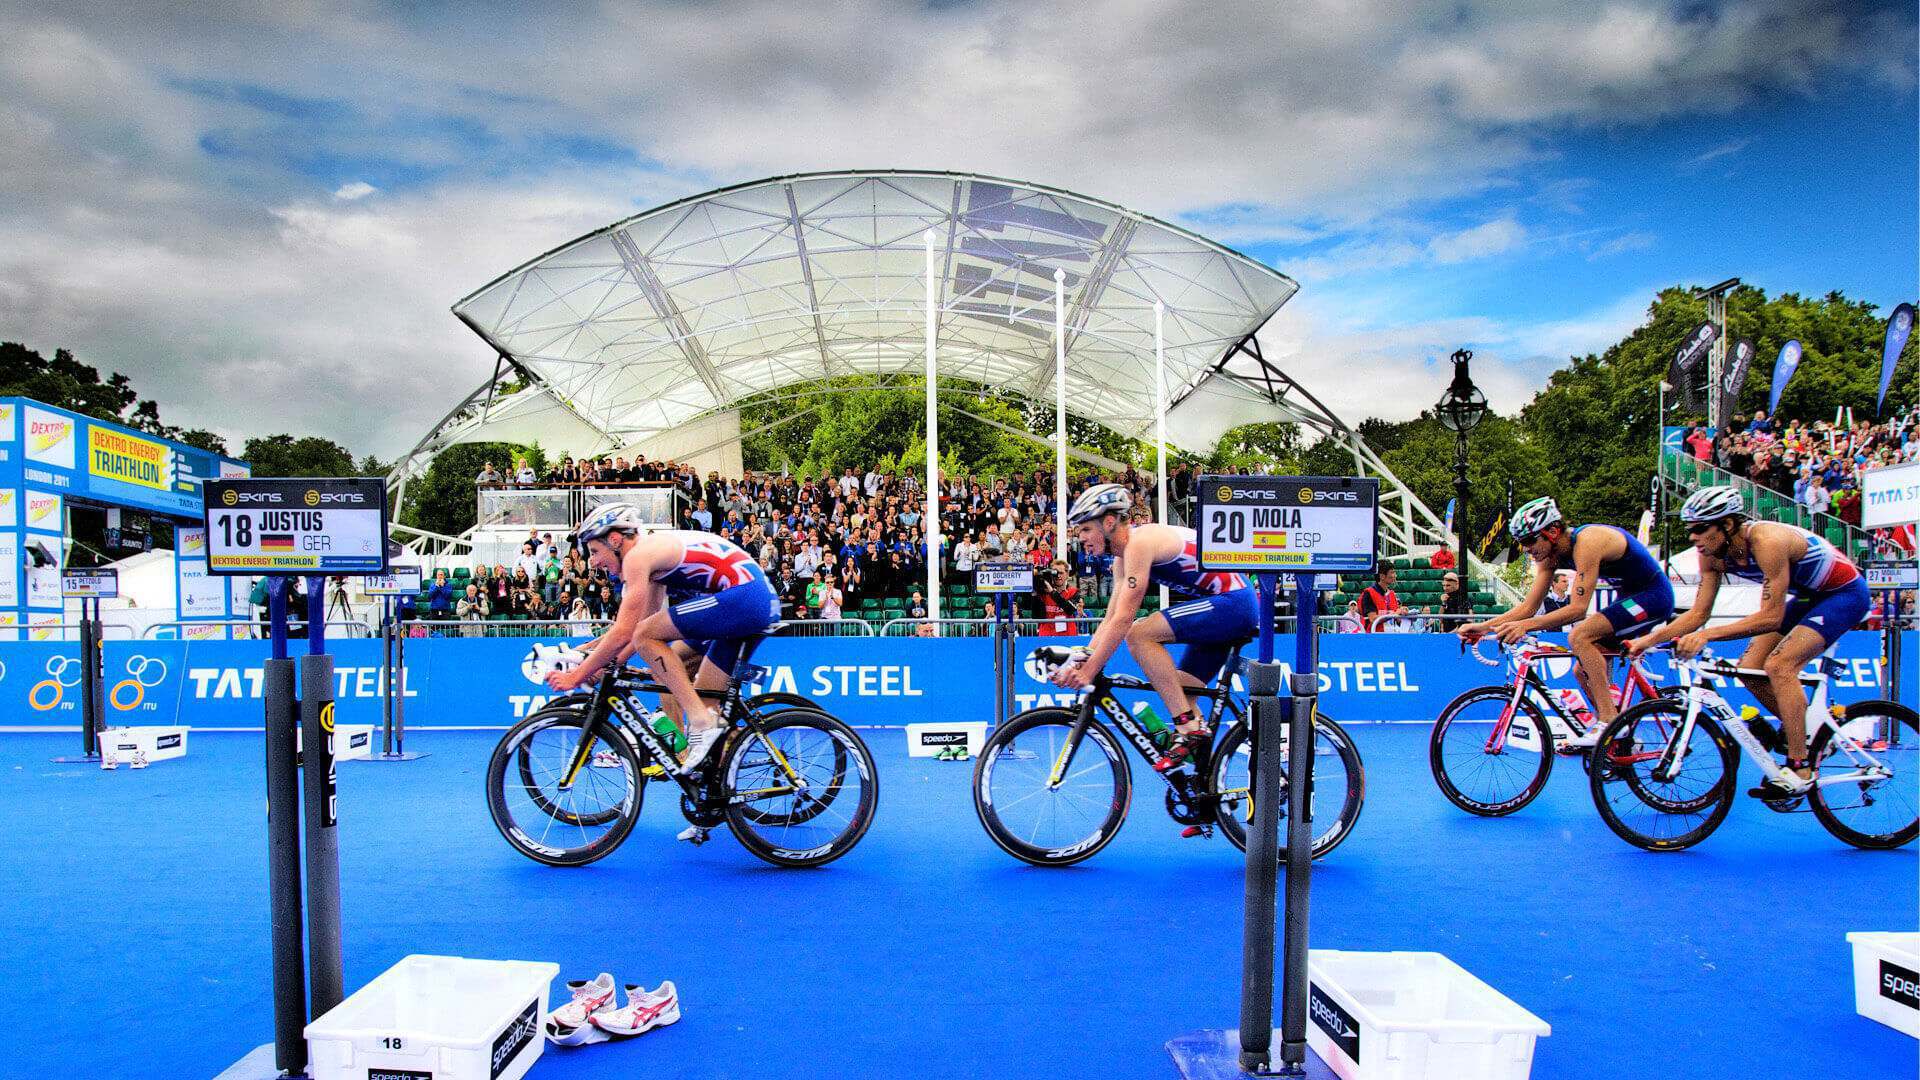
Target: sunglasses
column 1699, row 527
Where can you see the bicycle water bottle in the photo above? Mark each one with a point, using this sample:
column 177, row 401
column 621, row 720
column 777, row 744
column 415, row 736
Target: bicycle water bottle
column 670, row 732
column 1157, row 729
column 1571, row 701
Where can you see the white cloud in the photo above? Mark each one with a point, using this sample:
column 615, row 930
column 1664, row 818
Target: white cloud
column 1478, row 242
column 358, row 189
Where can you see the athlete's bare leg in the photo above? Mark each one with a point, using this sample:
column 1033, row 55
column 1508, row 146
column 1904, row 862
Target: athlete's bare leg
column 653, row 640
column 1590, row 669
column 1147, row 642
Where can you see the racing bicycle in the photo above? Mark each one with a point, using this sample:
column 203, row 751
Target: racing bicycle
column 1052, row 785
column 1492, row 748
column 796, row 786
column 1666, row 771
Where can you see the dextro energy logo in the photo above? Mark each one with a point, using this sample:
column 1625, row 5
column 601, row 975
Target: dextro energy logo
column 43, row 510
column 145, row 673
column 50, row 692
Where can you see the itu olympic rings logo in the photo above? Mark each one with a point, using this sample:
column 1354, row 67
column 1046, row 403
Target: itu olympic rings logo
column 146, row 672
column 56, row 682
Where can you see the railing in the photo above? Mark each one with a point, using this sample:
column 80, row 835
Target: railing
column 35, row 633
column 505, row 628
column 249, row 629
column 823, row 628
column 1410, row 622
column 556, row 506
column 943, row 628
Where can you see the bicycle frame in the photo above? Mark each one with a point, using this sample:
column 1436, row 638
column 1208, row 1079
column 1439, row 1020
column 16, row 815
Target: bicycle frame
column 1099, row 700
column 1703, row 697
column 1523, row 658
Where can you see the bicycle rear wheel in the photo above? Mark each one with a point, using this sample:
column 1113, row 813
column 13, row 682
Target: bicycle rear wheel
column 1882, row 808
column 544, row 817
column 801, row 788
column 1655, row 813
column 1339, row 783
column 1485, row 762
column 1056, row 826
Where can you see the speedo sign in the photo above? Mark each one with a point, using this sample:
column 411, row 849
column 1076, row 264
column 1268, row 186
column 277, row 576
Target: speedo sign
column 1289, row 524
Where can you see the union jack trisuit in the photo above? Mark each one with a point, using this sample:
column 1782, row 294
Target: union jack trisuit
column 720, row 597
column 1218, row 610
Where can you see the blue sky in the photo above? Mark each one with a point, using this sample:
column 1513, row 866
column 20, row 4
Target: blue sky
column 210, row 204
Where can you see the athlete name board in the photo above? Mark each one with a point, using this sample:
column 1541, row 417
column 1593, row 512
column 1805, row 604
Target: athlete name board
column 102, row 583
column 1287, row 524
column 1899, row 574
column 1890, row 496
column 1003, row 578
column 296, row 526
column 397, row 581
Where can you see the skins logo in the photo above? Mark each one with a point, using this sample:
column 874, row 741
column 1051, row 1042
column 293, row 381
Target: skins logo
column 1306, row 496
column 508, row 1044
column 1330, row 1018
column 1897, row 984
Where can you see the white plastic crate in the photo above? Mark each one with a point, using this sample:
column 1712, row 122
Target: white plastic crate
column 926, row 740
column 440, row 1016
column 1886, row 978
column 138, row 747
column 1413, row 1016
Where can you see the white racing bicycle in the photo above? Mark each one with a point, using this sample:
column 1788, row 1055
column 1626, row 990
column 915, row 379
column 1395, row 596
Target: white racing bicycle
column 1666, row 771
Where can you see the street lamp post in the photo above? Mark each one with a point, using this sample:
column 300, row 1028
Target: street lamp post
column 1460, row 411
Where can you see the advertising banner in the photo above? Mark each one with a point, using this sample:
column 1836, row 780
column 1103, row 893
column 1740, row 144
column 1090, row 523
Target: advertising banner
column 9, row 508
column 879, row 682
column 202, row 596
column 1693, row 350
column 1739, row 361
column 128, row 459
column 49, row 437
column 1899, row 326
column 43, row 581
column 9, row 569
column 78, row 455
column 45, row 511
column 1783, row 369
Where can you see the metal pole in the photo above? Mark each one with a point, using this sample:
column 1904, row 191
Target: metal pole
column 1659, row 466
column 933, row 433
column 386, row 676
column 1256, row 971
column 90, row 725
column 283, row 845
column 1304, row 702
column 322, row 805
column 99, row 673
column 1060, row 410
column 400, row 685
column 1160, row 417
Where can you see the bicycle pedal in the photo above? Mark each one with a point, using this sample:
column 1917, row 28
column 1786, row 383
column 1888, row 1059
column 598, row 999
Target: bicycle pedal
column 1192, row 831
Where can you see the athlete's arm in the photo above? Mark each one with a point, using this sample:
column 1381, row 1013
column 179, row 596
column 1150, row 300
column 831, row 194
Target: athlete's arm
column 1586, row 578
column 617, row 643
column 1130, row 573
column 1530, row 603
column 1773, row 555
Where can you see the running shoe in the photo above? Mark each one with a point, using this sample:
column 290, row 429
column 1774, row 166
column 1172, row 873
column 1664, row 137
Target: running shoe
column 699, row 743
column 644, row 1011
column 1185, row 745
column 606, row 759
column 571, row 1024
column 1786, row 787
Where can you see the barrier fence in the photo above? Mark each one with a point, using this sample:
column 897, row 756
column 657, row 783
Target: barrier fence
column 895, row 678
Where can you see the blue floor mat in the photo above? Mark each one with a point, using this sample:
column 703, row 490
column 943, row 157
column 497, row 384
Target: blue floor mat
column 135, row 914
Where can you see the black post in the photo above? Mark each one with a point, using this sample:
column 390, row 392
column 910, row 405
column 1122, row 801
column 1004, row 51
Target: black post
column 400, row 684
column 97, row 659
column 322, row 799
column 283, row 845
column 1304, row 704
column 1256, row 979
column 89, row 686
column 386, row 676
column 1460, row 488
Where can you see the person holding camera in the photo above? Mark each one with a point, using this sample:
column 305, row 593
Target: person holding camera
column 1055, row 599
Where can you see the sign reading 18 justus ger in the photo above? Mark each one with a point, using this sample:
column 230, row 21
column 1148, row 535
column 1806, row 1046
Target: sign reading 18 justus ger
column 1287, row 524
column 296, row 526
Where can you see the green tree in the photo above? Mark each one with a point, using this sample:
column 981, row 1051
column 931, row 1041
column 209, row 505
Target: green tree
column 307, row 455
column 69, row 384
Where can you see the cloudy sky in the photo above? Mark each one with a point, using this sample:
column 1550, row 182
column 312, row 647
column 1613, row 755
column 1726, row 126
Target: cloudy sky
column 262, row 211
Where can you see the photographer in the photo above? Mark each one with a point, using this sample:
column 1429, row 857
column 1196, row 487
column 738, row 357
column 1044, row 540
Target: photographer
column 1055, row 599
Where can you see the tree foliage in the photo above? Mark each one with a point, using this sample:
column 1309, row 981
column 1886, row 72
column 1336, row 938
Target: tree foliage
column 69, row 384
column 445, row 500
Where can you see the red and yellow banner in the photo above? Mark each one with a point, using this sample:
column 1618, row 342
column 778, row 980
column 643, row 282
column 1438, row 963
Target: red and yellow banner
column 129, row 459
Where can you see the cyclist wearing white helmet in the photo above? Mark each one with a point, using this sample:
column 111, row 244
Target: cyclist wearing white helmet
column 1810, row 594
column 678, row 586
column 1592, row 552
column 1220, row 614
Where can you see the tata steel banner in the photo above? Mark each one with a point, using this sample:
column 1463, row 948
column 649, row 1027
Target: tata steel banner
column 881, row 682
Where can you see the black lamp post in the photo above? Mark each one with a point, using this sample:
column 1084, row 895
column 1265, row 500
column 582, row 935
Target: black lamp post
column 1460, row 411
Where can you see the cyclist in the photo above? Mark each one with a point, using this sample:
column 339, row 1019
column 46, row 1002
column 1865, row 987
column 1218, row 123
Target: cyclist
column 721, row 599
column 1221, row 613
column 1592, row 552
column 1810, row 594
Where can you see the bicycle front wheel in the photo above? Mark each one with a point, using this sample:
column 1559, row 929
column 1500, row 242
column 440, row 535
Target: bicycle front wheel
column 1339, row 785
column 1059, row 825
column 801, row 788
column 1879, row 746
column 550, row 816
column 1485, row 760
column 1646, row 808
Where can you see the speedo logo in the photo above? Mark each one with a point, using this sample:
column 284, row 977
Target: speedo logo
column 1899, row 985
column 508, row 1044
column 942, row 738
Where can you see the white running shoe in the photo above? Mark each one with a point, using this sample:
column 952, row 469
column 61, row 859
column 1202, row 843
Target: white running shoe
column 699, row 743
column 645, row 1010
column 693, row 834
column 605, row 759
column 570, row 1024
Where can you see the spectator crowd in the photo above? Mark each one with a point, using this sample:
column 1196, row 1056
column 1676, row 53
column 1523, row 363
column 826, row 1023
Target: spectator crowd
column 1816, row 464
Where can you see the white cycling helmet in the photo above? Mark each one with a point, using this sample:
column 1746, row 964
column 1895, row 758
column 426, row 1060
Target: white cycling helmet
column 1532, row 518
column 606, row 518
column 1097, row 500
column 544, row 660
column 1712, row 504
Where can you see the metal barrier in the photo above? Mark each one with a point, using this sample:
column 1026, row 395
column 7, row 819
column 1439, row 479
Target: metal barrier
column 823, row 628
column 246, row 629
column 31, row 633
column 1378, row 625
column 505, row 628
column 941, row 628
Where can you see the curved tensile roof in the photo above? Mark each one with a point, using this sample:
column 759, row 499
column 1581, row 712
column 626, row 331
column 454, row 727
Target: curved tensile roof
column 687, row 309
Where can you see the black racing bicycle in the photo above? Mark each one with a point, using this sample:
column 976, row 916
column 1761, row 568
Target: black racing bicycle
column 795, row 785
column 1052, row 785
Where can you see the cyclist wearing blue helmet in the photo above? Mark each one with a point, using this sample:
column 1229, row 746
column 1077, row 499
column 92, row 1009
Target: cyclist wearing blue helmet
column 1592, row 552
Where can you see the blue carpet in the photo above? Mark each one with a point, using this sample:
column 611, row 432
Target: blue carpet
column 135, row 904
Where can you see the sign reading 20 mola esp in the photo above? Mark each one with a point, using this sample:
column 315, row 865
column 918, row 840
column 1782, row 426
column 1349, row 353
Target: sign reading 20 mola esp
column 1287, row 524
column 296, row 526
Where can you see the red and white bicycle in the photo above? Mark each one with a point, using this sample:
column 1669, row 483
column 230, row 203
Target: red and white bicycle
column 1492, row 748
